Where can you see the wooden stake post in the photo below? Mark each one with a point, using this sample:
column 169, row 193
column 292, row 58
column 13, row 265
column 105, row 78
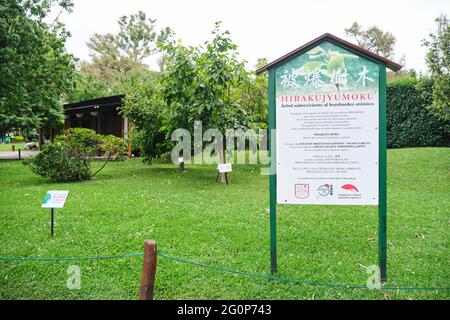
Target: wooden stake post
column 149, row 270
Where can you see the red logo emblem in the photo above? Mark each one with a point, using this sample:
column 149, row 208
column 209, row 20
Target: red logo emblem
column 350, row 187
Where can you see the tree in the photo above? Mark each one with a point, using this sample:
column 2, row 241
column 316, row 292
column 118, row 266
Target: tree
column 117, row 59
column 136, row 40
column 87, row 87
column 199, row 85
column 161, row 61
column 35, row 69
column 178, row 83
column 94, row 81
column 253, row 96
column 373, row 39
column 438, row 61
column 144, row 107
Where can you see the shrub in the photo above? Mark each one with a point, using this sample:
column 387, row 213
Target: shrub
column 409, row 122
column 84, row 142
column 57, row 162
column 69, row 157
column 113, row 147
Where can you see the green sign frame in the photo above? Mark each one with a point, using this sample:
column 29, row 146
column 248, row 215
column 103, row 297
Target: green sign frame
column 383, row 63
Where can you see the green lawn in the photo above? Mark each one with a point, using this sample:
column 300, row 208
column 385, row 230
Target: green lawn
column 8, row 146
column 192, row 217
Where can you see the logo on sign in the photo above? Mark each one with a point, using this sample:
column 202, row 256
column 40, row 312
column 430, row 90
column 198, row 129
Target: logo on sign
column 349, row 191
column 350, row 187
column 47, row 198
column 325, row 190
column 302, row 190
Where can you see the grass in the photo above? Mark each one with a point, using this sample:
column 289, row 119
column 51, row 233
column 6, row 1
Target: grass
column 192, row 217
column 8, row 146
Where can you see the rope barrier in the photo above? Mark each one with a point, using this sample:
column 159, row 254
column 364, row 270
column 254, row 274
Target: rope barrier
column 243, row 273
column 130, row 255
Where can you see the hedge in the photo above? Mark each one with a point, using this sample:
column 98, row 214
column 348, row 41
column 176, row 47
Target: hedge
column 409, row 122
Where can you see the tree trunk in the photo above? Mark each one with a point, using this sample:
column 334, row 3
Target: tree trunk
column 41, row 138
column 104, row 164
column 222, row 178
column 182, row 169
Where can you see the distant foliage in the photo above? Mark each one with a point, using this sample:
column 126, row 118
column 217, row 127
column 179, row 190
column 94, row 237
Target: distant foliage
column 145, row 108
column 253, row 97
column 409, row 122
column 438, row 62
column 35, row 68
column 373, row 39
column 87, row 86
column 69, row 157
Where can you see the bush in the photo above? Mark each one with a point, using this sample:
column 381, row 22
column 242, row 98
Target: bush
column 113, row 147
column 84, row 142
column 57, row 162
column 409, row 122
column 69, row 157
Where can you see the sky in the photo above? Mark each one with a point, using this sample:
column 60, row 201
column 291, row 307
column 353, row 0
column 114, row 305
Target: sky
column 263, row 28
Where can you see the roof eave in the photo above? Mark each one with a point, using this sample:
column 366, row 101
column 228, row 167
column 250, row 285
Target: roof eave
column 328, row 36
column 109, row 100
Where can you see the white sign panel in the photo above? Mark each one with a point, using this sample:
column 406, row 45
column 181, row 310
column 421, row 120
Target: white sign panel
column 55, row 199
column 225, row 167
column 327, row 103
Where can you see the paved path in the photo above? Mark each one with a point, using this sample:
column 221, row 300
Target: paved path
column 14, row 155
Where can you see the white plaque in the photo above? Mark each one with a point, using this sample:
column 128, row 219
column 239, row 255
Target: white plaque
column 55, row 199
column 225, row 167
